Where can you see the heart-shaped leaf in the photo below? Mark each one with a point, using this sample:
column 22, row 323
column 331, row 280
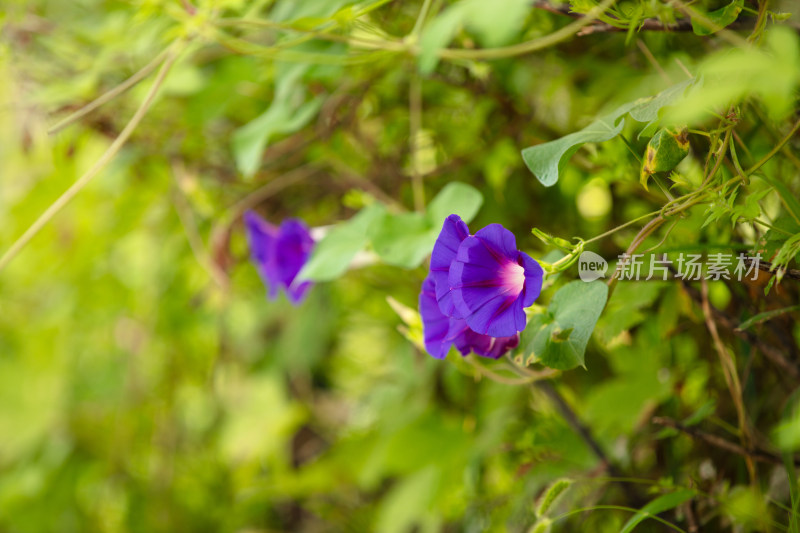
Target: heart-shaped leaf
column 558, row 337
column 547, row 160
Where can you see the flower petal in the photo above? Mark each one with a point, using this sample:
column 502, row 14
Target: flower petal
column 454, row 230
column 297, row 291
column 293, row 248
column 280, row 253
column 483, row 290
column 492, row 282
column 483, row 345
column 492, row 347
column 534, row 276
column 262, row 237
column 441, row 332
column 499, row 240
column 435, row 325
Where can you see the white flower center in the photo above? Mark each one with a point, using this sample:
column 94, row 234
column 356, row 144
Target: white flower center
column 512, row 276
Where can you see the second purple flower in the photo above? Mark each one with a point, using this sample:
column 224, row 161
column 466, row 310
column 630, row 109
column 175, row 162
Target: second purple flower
column 479, row 281
column 280, row 253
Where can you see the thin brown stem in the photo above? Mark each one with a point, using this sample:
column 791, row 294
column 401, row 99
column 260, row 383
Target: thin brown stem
column 110, row 95
column 722, row 444
column 269, row 189
column 198, row 247
column 731, row 375
column 773, row 354
column 505, row 380
column 530, row 46
column 775, row 149
column 414, row 140
column 99, row 165
column 571, row 418
column 645, row 232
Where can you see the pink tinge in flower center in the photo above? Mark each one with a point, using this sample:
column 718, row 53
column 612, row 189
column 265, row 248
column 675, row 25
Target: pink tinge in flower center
column 512, row 277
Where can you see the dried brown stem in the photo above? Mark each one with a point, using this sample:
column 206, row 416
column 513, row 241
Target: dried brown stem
column 766, row 266
column 773, row 354
column 731, row 374
column 723, row 444
column 586, row 435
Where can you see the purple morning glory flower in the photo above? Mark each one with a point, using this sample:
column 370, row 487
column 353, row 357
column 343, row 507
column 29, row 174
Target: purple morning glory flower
column 491, row 282
column 279, row 253
column 483, row 278
column 454, row 231
column 441, row 332
column 475, row 294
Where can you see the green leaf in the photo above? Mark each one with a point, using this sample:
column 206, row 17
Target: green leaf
column 542, row 526
column 788, row 251
column 788, row 199
column 547, row 160
column 334, row 252
column 720, row 18
column 558, row 338
column 408, row 501
column 776, row 238
column 436, row 36
column 659, row 505
column 666, row 149
column 250, row 140
column 287, row 113
column 794, row 497
column 456, row 197
column 766, row 315
column 786, row 434
column 405, row 239
column 494, row 23
column 703, row 412
column 627, row 308
column 552, row 494
column 648, row 109
column 770, row 73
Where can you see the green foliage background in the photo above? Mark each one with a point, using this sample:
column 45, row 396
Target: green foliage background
column 146, row 383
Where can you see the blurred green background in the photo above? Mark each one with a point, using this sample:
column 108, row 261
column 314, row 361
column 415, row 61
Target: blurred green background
column 147, row 384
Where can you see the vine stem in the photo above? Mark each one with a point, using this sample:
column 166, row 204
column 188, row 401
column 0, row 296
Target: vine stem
column 423, row 14
column 531, row 46
column 645, row 232
column 774, row 150
column 618, row 508
column 267, row 190
column 719, row 442
column 415, row 128
column 574, row 422
column 731, row 375
column 528, row 378
column 726, row 34
column 110, row 95
column 411, row 46
column 621, row 226
column 99, row 165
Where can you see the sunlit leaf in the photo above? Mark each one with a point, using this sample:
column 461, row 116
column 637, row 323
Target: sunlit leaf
column 334, row 252
column 720, row 18
column 547, row 160
column 663, row 503
column 558, row 337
